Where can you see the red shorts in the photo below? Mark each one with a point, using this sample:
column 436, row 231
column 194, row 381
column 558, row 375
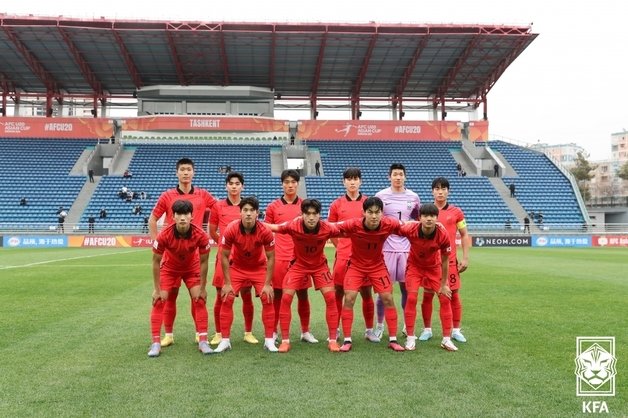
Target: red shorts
column 241, row 279
column 355, row 278
column 340, row 269
column 219, row 279
column 279, row 272
column 454, row 276
column 426, row 277
column 170, row 279
column 298, row 278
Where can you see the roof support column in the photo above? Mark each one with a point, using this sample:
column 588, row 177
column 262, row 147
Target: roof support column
column 355, row 108
column 443, row 112
column 4, row 103
column 95, row 107
column 16, row 103
column 313, row 111
column 104, row 108
column 484, row 108
column 49, row 104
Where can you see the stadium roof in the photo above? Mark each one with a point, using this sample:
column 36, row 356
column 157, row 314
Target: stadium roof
column 112, row 58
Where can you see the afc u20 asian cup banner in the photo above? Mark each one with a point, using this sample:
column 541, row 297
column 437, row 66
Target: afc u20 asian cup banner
column 39, row 127
column 376, row 130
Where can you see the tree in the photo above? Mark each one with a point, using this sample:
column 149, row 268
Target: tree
column 582, row 172
column 623, row 171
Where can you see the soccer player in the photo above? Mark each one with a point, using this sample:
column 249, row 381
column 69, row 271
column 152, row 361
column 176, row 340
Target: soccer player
column 366, row 266
column 346, row 207
column 201, row 200
column 223, row 213
column 401, row 204
column 453, row 220
column 248, row 257
column 285, row 209
column 428, row 267
column 180, row 253
column 309, row 235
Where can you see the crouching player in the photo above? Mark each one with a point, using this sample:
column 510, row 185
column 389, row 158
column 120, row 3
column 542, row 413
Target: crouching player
column 309, row 235
column 428, row 267
column 248, row 258
column 180, row 253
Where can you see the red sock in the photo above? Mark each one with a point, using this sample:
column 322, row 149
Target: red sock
column 285, row 316
column 156, row 318
column 170, row 310
column 368, row 309
column 456, row 308
column 391, row 320
column 226, row 316
column 303, row 307
column 268, row 317
column 445, row 315
column 347, row 321
column 340, row 296
column 200, row 317
column 426, row 309
column 247, row 310
column 331, row 314
column 277, row 302
column 217, row 308
column 409, row 313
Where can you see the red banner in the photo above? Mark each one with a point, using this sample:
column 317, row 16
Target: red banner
column 379, row 130
column 187, row 123
column 478, row 130
column 609, row 240
column 38, row 127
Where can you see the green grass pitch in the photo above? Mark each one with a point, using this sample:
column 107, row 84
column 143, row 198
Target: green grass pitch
column 74, row 332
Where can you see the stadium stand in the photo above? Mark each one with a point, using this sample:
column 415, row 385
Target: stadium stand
column 39, row 170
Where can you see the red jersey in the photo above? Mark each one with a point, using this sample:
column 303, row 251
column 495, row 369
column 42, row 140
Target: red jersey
column 343, row 209
column 426, row 250
column 452, row 219
column 309, row 247
column 181, row 251
column 201, row 201
column 248, row 249
column 277, row 212
column 366, row 244
column 223, row 213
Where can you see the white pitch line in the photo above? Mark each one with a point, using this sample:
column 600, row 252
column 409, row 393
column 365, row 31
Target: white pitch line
column 66, row 259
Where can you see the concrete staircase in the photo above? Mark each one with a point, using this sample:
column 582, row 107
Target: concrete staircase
column 82, row 200
column 512, row 203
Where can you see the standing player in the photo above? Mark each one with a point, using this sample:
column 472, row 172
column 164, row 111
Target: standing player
column 201, row 201
column 224, row 212
column 366, row 266
column 428, row 268
column 285, row 209
column 343, row 208
column 401, row 204
column 180, row 253
column 248, row 257
column 453, row 220
column 309, row 235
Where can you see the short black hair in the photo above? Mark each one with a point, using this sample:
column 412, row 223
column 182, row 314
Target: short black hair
column 373, row 201
column 182, row 207
column 352, row 173
column 311, row 204
column 428, row 209
column 290, row 173
column 249, row 200
column 235, row 174
column 441, row 182
column 396, row 166
column 185, row 160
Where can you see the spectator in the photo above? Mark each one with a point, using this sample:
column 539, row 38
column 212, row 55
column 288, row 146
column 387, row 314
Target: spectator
column 127, row 174
column 496, row 170
column 463, row 173
column 317, row 166
column 291, row 139
column 129, row 196
column 103, row 213
column 228, row 169
column 122, row 192
column 61, row 214
column 526, row 225
column 91, row 175
column 145, row 225
column 143, row 195
column 512, row 189
column 90, row 224
column 459, row 169
column 23, row 201
column 137, row 210
column 507, row 225
column 539, row 218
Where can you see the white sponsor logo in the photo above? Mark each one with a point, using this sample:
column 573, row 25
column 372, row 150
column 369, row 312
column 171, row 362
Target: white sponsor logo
column 205, row 123
column 595, row 366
